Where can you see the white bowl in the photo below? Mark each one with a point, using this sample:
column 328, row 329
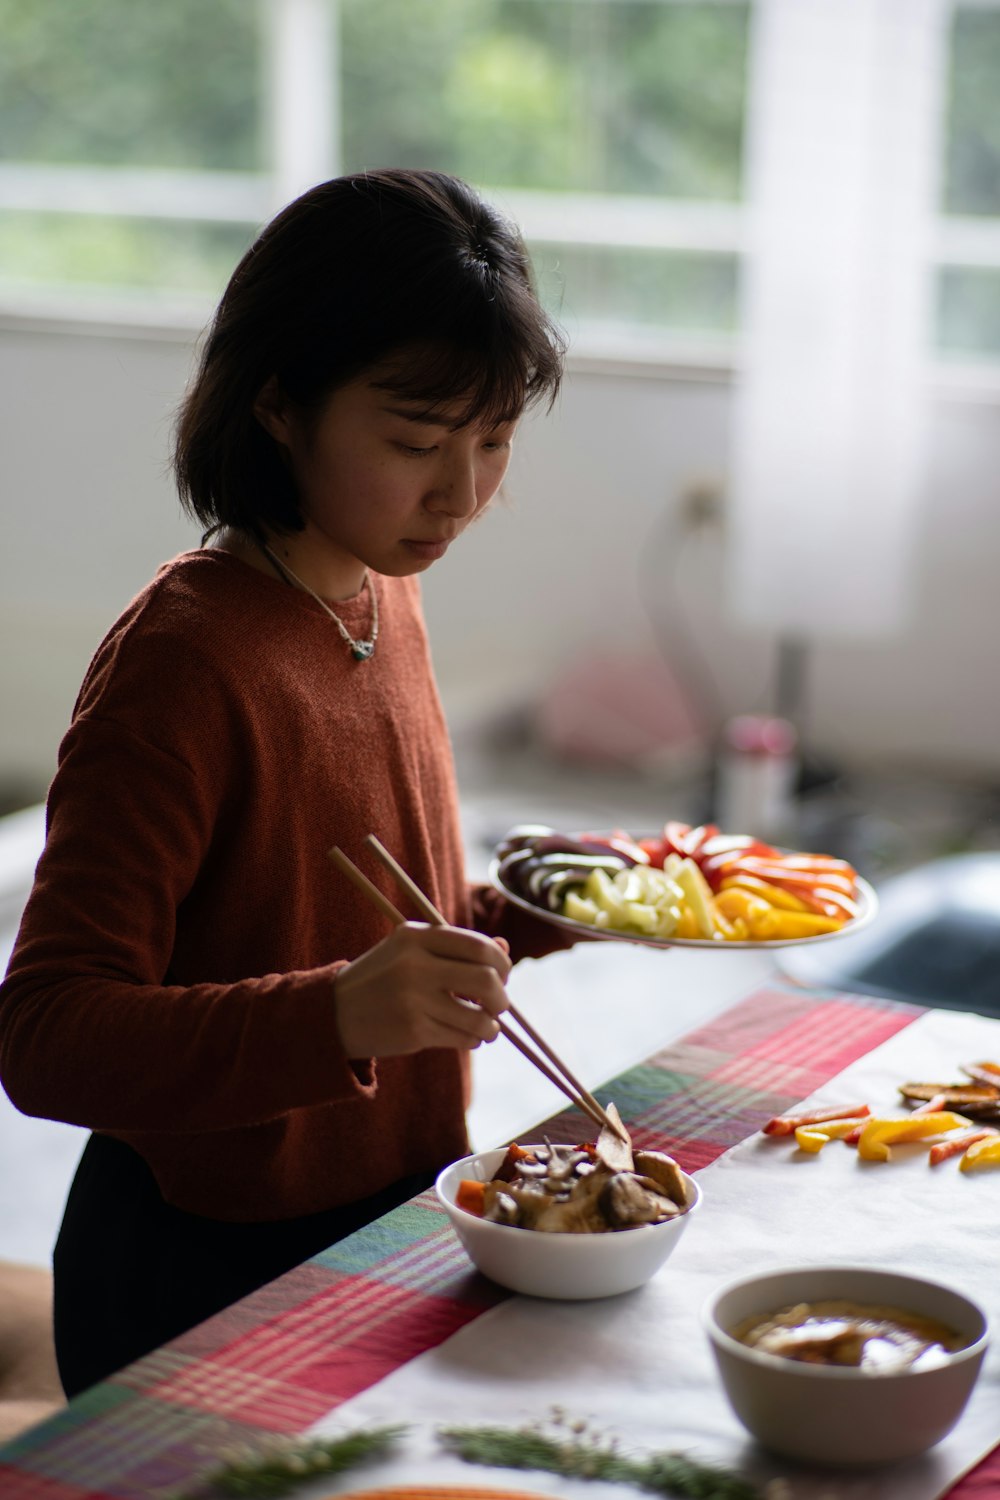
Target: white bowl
column 570, row 1267
column 844, row 1416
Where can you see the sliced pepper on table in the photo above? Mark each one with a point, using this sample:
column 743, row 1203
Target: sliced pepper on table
column 943, row 1150
column 880, row 1133
column 788, row 1124
column 985, row 1153
column 813, row 1138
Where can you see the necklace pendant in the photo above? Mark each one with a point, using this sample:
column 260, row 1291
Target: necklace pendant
column 362, row 650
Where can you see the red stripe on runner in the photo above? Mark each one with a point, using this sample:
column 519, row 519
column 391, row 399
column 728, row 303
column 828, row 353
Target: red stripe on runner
column 15, row 1484
column 816, row 1045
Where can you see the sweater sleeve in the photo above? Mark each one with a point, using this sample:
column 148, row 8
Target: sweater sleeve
column 526, row 936
column 93, row 1029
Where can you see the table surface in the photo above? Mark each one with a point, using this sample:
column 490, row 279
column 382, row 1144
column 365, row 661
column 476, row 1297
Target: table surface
column 285, row 1357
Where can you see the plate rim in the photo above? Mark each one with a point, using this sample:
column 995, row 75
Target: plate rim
column 727, row 945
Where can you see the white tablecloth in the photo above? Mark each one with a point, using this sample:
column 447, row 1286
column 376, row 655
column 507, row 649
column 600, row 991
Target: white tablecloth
column 638, row 1366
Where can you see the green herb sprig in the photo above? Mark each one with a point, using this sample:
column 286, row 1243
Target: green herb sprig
column 582, row 1454
column 260, row 1473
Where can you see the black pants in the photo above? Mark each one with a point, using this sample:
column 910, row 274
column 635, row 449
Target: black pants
column 131, row 1272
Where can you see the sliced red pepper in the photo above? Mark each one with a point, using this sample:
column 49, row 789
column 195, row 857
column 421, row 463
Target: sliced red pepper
column 788, row 1124
column 957, row 1145
column 737, row 843
column 655, row 851
column 823, row 863
column 675, row 838
column 686, row 841
column 778, row 871
column 932, row 1107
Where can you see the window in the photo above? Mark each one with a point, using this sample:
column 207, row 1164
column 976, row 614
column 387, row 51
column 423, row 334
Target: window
column 968, row 303
column 142, row 145
column 110, row 113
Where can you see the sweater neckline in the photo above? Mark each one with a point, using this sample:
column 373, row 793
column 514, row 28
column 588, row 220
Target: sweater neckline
column 356, row 609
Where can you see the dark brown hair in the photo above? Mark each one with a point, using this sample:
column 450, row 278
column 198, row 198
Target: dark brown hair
column 406, row 265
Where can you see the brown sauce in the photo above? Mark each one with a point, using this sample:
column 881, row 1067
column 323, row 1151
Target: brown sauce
column 851, row 1334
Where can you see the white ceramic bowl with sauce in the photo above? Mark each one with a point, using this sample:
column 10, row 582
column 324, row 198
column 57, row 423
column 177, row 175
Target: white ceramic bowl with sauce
column 844, row 1416
column 568, row 1267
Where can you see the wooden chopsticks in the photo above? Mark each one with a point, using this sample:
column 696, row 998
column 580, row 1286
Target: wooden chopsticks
column 568, row 1082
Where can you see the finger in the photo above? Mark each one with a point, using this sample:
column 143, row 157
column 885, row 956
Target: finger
column 461, row 944
column 468, row 1024
column 482, row 987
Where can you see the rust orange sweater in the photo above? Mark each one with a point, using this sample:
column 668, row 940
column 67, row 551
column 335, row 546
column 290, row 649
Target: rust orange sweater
column 171, row 983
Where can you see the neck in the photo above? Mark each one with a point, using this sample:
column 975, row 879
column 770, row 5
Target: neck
column 324, row 570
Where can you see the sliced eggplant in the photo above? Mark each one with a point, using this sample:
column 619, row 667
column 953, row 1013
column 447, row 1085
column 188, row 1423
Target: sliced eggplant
column 978, row 1101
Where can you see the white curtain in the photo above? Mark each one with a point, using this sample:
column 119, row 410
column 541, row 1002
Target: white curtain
column 842, row 166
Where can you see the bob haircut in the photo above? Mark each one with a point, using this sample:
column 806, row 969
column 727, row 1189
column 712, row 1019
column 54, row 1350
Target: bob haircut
column 406, row 269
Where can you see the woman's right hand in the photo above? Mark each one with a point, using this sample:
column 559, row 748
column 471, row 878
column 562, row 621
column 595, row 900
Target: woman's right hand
column 421, row 987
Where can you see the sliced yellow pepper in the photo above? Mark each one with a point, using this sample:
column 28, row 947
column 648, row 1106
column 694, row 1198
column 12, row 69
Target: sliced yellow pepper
column 879, row 1134
column 729, row 931
column 792, row 924
column 770, row 919
column 772, row 894
column 733, row 902
column 981, row 1154
column 687, row 927
column 813, row 1138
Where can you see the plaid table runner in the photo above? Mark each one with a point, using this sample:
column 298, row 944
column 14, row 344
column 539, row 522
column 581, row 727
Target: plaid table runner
column 281, row 1358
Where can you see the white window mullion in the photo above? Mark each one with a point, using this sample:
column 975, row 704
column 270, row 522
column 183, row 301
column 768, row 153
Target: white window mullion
column 302, row 68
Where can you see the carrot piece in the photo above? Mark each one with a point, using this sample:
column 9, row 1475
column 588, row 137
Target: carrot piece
column 507, row 1170
column 471, row 1196
column 957, row 1145
column 788, row 1124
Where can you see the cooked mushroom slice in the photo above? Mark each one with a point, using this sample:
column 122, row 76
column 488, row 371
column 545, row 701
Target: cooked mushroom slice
column 627, row 1201
column 580, row 1213
column 563, row 1164
column 614, row 1152
column 665, row 1173
column 498, row 1205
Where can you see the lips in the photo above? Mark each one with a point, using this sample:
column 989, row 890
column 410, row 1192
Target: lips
column 428, row 548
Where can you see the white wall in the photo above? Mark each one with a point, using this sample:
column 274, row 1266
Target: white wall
column 89, row 511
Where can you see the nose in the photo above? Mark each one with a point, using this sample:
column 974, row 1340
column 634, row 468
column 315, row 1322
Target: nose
column 456, row 491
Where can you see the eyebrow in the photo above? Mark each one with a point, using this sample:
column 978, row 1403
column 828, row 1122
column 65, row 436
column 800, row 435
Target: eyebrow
column 427, row 416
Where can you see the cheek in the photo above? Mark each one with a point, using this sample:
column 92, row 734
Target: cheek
column 492, row 478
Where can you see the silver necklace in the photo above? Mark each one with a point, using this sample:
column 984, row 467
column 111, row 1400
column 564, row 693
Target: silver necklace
column 360, row 650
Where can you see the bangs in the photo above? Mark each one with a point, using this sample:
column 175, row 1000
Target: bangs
column 473, row 390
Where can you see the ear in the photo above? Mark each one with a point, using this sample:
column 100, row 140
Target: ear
column 271, row 408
